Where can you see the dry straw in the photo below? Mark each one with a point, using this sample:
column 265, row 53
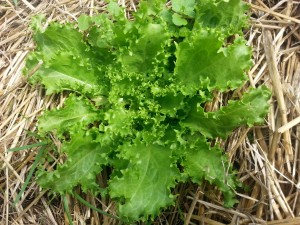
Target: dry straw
column 268, row 156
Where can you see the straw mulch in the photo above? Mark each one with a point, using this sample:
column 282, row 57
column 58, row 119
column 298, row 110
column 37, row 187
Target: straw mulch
column 268, row 156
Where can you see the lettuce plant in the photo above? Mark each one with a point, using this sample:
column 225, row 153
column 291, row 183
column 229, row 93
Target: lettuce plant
column 136, row 95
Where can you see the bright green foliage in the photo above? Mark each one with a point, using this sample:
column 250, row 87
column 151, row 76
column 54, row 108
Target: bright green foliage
column 85, row 158
column 139, row 88
column 226, row 15
column 236, row 113
column 201, row 59
column 145, row 183
column 77, row 111
column 200, row 163
column 66, row 61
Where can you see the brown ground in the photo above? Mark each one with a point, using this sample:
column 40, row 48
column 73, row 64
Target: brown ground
column 268, row 156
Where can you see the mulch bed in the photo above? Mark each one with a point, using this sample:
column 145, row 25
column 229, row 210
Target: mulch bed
column 268, row 156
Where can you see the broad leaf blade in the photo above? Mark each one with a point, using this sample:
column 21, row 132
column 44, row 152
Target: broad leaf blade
column 185, row 7
column 67, row 62
column 147, row 51
column 77, row 111
column 226, row 15
column 202, row 62
column 85, row 157
column 250, row 110
column 205, row 163
column 59, row 38
column 145, row 185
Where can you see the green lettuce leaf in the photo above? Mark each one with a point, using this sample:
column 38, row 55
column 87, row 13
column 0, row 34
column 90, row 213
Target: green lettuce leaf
column 229, row 16
column 119, row 121
column 202, row 62
column 185, row 7
column 145, row 185
column 178, row 20
column 67, row 62
column 248, row 111
column 205, row 163
column 77, row 111
column 59, row 38
column 84, row 22
column 147, row 51
column 85, row 158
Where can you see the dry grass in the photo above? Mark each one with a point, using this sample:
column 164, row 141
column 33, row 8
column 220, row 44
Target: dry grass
column 268, row 157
